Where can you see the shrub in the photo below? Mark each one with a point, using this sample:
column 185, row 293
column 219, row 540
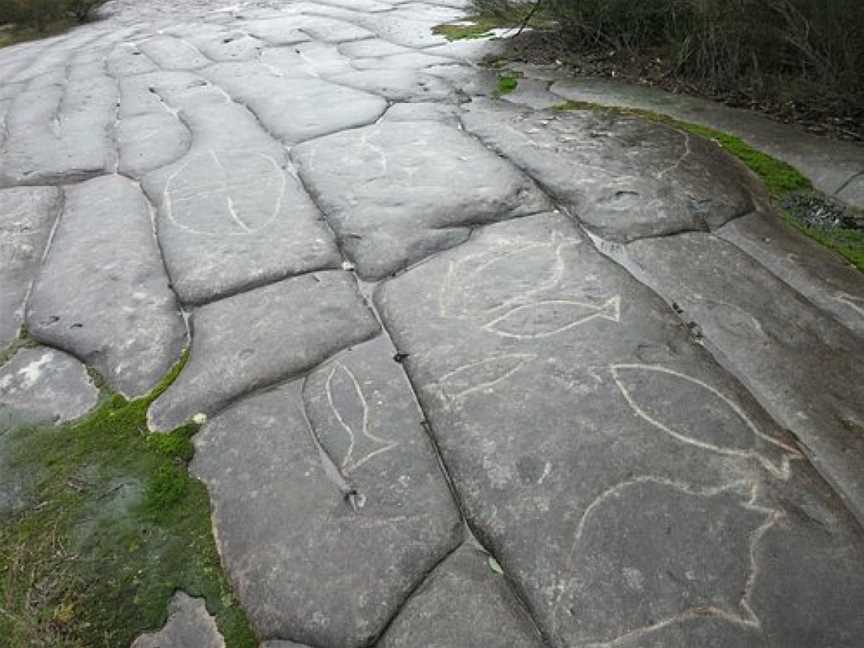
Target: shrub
column 719, row 43
column 39, row 14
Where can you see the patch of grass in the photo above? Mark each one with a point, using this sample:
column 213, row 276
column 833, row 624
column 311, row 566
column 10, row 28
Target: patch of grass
column 483, row 22
column 780, row 178
column 506, row 84
column 113, row 527
column 470, row 28
column 21, row 34
column 849, row 243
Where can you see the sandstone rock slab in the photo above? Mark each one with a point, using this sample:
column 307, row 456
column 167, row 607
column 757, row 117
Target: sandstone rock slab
column 296, row 109
column 623, row 177
column 806, row 368
column 328, row 501
column 102, row 293
column 27, row 216
column 41, row 385
column 189, row 625
column 820, row 275
column 232, row 214
column 60, row 131
column 628, row 485
column 260, row 337
column 398, row 191
column 171, row 53
column 463, row 603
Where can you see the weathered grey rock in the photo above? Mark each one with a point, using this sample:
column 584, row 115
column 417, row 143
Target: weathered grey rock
column 328, row 502
column 462, row 603
column 626, row 483
column 828, row 162
column 231, row 215
column 260, row 337
column 171, row 53
column 533, row 93
column 295, row 109
column 474, row 50
column 102, row 293
column 852, row 191
column 278, row 643
column 412, row 112
column 804, row 367
column 372, row 47
column 467, row 81
column 410, row 60
column 306, row 60
column 27, row 216
column 231, row 46
column 150, row 141
column 625, row 178
column 397, row 85
column 127, row 59
column 289, row 30
column 41, row 385
column 60, row 131
column 398, row 191
column 189, row 625
column 822, row 276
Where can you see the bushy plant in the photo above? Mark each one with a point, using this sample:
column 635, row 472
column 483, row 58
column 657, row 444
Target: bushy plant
column 721, row 42
column 39, row 14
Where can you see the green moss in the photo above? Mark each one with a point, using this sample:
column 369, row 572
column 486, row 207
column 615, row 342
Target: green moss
column 848, row 243
column 481, row 25
column 507, row 83
column 780, row 179
column 114, row 527
column 469, row 29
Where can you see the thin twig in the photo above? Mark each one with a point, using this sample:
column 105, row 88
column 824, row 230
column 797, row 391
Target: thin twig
column 528, row 18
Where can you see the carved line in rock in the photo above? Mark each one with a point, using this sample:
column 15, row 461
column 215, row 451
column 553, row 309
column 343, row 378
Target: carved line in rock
column 683, row 157
column 746, row 616
column 246, row 228
column 609, row 310
column 348, row 463
column 507, row 365
column 458, row 278
column 781, row 471
column 853, row 302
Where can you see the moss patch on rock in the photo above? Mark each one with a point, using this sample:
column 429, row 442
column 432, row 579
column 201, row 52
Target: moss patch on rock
column 469, row 29
column 781, row 179
column 507, row 83
column 113, row 526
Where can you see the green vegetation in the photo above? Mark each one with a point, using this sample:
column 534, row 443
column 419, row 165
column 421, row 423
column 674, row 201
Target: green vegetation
column 470, row 28
column 507, row 83
column 482, row 24
column 771, row 49
column 780, row 179
column 113, row 525
column 23, row 20
column 849, row 243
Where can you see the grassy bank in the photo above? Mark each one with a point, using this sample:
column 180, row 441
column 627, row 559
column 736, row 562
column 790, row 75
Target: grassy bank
column 781, row 180
column 113, row 525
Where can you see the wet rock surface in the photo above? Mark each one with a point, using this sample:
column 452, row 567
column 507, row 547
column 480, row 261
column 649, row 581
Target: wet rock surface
column 814, row 383
column 189, row 625
column 624, row 177
column 396, row 192
column 42, row 385
column 328, row 480
column 26, row 219
column 479, row 607
column 473, row 374
column 102, row 293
